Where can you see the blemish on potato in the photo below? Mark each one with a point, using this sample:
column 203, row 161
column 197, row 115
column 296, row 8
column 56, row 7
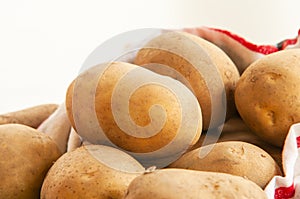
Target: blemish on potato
column 228, row 74
column 237, row 151
column 273, row 76
column 254, row 79
column 291, row 119
column 262, row 155
column 271, row 116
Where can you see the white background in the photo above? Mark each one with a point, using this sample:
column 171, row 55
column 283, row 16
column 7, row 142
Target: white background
column 44, row 43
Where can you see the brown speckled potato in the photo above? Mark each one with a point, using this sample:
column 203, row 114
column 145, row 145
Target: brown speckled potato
column 233, row 157
column 92, row 171
column 152, row 116
column 184, row 56
column 267, row 95
column 31, row 116
column 26, row 155
column 189, row 184
column 235, row 129
column 100, row 87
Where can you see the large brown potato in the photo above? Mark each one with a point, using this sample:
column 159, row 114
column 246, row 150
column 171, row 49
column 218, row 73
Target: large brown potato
column 235, row 129
column 26, row 155
column 200, row 65
column 92, row 171
column 153, row 117
column 233, row 157
column 189, row 184
column 268, row 95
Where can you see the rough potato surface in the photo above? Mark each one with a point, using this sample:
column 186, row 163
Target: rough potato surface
column 80, row 174
column 26, row 155
column 233, row 157
column 188, row 184
column 267, row 95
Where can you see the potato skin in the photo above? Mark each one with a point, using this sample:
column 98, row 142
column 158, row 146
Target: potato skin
column 232, row 157
column 58, row 127
column 181, row 52
column 79, row 174
column 139, row 105
column 153, row 117
column 267, row 95
column 235, row 129
column 26, row 155
column 31, row 116
column 189, row 184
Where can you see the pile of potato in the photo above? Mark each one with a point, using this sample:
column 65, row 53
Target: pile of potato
column 147, row 129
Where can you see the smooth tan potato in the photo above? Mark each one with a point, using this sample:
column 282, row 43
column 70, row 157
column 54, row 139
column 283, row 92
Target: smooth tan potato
column 240, row 55
column 189, row 184
column 235, row 129
column 233, row 157
column 92, row 171
column 268, row 95
column 135, row 109
column 26, row 155
column 32, row 116
column 192, row 60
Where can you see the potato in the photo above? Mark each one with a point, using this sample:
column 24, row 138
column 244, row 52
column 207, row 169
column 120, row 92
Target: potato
column 153, row 117
column 74, row 140
column 58, row 127
column 200, row 65
column 32, row 116
column 268, row 95
column 26, row 155
column 235, row 47
column 233, row 157
column 92, row 171
column 189, row 184
column 235, row 129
